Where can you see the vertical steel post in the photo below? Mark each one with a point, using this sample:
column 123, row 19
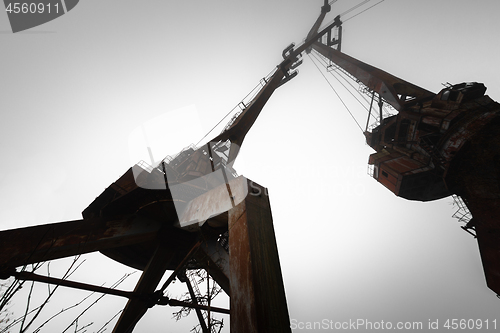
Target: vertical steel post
column 258, row 301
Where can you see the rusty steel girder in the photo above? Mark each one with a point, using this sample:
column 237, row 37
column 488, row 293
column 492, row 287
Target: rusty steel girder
column 57, row 240
column 258, row 301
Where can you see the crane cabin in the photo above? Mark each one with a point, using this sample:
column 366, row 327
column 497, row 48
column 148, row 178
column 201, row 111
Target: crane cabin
column 415, row 148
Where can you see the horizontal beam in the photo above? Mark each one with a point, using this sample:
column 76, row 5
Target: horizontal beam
column 64, row 239
column 174, row 302
column 27, row 276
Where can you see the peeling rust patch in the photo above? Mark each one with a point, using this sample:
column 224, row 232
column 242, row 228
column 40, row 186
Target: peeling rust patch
column 258, row 302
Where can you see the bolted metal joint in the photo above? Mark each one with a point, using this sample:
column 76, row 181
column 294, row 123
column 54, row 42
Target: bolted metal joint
column 155, row 298
column 163, row 300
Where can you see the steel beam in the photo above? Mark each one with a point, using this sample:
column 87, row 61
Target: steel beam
column 180, row 266
column 184, row 278
column 215, row 260
column 28, row 276
column 258, row 301
column 151, row 276
column 385, row 84
column 58, row 240
column 153, row 298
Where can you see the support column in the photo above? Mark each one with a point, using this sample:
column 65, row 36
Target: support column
column 258, row 301
column 151, row 276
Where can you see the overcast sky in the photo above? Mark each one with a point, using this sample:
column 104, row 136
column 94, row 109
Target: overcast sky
column 74, row 92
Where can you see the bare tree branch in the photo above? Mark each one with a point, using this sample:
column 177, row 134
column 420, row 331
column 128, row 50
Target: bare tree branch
column 103, row 328
column 27, row 307
column 62, row 311
column 114, row 285
column 66, row 275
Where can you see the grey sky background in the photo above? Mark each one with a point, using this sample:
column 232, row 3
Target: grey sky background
column 74, row 90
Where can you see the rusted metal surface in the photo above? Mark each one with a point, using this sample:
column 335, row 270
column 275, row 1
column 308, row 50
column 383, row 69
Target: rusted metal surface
column 243, row 293
column 174, row 302
column 214, row 202
column 258, row 302
column 428, row 132
column 180, row 266
column 215, row 260
column 238, row 130
column 27, row 276
column 480, row 191
column 324, row 10
column 385, row 84
column 183, row 278
column 420, row 151
column 489, row 248
column 151, row 276
column 437, row 145
column 150, row 299
column 154, row 245
column 454, row 141
column 429, row 136
column 51, row 241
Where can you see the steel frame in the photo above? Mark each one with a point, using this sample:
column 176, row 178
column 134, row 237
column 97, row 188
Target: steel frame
column 254, row 281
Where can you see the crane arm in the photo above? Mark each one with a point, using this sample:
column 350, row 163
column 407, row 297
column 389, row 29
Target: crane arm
column 238, row 130
column 324, row 10
column 394, row 90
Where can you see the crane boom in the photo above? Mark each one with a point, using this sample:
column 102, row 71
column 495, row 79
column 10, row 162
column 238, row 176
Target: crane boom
column 435, row 146
column 395, row 91
column 162, row 194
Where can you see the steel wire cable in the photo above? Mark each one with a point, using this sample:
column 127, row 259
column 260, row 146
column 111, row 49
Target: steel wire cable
column 363, row 11
column 234, row 108
column 340, row 98
column 321, row 59
column 367, row 101
column 344, row 13
column 351, row 9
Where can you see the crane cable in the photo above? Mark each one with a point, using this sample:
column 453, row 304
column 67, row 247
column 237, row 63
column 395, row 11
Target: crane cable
column 234, row 108
column 336, row 78
column 363, row 11
column 323, row 62
column 353, row 8
column 213, row 128
column 340, row 98
column 346, row 12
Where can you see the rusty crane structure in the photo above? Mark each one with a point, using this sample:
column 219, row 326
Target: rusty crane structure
column 194, row 211
column 434, row 146
column 187, row 212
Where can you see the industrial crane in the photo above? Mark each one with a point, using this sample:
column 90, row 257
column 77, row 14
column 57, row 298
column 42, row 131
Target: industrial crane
column 156, row 218
column 435, row 146
column 150, row 219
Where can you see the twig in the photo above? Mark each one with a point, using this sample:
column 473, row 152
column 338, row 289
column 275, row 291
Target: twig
column 48, row 274
column 27, row 307
column 62, row 311
column 116, row 284
column 83, row 327
column 38, row 309
column 103, row 328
